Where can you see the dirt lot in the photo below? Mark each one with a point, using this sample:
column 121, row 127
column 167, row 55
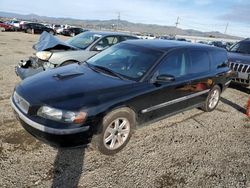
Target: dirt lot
column 192, row 149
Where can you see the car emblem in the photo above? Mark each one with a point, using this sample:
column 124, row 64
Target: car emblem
column 18, row 100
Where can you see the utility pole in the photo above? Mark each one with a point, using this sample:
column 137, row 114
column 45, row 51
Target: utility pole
column 226, row 29
column 177, row 22
column 176, row 25
column 118, row 20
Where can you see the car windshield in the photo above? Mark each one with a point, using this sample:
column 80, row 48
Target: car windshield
column 129, row 61
column 241, row 47
column 83, row 40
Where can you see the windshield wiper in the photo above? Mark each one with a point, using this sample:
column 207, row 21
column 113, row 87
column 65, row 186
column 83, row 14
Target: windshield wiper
column 107, row 70
column 98, row 68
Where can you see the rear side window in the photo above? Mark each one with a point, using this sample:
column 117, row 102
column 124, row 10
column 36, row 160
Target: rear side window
column 123, row 38
column 200, row 61
column 219, row 60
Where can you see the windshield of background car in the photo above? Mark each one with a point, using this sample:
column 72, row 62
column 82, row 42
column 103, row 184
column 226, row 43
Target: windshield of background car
column 241, row 47
column 129, row 61
column 83, row 40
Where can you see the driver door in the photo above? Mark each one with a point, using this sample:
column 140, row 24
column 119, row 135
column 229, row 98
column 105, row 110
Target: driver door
column 170, row 96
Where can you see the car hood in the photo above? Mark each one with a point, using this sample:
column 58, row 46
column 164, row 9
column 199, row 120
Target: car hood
column 48, row 42
column 78, row 55
column 72, row 87
column 239, row 58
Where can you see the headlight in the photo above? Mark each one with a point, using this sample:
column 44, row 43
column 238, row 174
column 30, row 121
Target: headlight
column 43, row 55
column 62, row 115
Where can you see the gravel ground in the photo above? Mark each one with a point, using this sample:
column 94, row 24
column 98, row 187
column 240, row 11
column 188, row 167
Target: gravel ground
column 191, row 149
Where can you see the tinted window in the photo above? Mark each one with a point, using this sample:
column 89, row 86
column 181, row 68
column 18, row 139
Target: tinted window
column 199, row 60
column 123, row 38
column 219, row 59
column 127, row 60
column 175, row 64
column 241, row 47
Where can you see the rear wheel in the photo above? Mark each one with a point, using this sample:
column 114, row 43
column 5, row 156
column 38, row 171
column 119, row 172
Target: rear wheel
column 116, row 130
column 52, row 32
column 213, row 99
column 29, row 31
column 72, row 34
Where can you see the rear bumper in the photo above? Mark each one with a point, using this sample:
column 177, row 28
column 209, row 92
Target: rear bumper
column 52, row 136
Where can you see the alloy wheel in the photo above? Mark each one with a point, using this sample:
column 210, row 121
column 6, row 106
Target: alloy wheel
column 116, row 133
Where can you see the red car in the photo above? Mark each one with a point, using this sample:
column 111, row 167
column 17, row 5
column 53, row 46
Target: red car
column 6, row 26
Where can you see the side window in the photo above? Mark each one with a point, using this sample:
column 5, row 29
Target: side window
column 175, row 64
column 105, row 43
column 219, row 60
column 199, row 61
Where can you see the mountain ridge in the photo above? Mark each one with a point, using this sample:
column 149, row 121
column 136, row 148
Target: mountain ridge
column 122, row 25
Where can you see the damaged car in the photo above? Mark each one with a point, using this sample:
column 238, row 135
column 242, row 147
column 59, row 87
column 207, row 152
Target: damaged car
column 104, row 99
column 53, row 52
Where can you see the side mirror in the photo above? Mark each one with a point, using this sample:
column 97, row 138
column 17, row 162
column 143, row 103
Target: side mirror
column 99, row 48
column 164, row 78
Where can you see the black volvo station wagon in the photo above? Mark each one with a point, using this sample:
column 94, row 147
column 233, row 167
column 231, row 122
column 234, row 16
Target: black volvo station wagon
column 106, row 98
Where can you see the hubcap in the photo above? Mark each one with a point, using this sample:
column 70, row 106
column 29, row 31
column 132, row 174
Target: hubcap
column 116, row 133
column 214, row 99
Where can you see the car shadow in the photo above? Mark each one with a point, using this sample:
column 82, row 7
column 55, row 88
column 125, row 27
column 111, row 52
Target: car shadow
column 68, row 167
column 235, row 106
column 240, row 88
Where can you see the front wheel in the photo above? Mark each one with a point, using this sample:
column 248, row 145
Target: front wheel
column 116, row 130
column 213, row 99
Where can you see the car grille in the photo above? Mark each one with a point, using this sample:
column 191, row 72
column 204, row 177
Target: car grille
column 240, row 68
column 21, row 103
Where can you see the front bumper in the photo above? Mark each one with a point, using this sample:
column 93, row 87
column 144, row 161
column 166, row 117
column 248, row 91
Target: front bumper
column 28, row 68
column 243, row 73
column 52, row 136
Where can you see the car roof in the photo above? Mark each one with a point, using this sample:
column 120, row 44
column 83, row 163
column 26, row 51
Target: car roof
column 106, row 33
column 165, row 45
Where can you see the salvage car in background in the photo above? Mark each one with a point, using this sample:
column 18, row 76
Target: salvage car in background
column 73, row 31
column 239, row 60
column 115, row 91
column 37, row 28
column 7, row 27
column 52, row 52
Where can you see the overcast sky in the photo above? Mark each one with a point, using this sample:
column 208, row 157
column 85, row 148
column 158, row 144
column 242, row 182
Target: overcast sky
column 204, row 15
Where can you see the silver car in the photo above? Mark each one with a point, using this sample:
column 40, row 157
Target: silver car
column 52, row 52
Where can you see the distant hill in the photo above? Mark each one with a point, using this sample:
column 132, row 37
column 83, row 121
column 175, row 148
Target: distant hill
column 122, row 25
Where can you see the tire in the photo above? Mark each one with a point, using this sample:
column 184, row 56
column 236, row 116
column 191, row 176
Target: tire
column 213, row 99
column 67, row 63
column 116, row 130
column 29, row 31
column 52, row 32
column 72, row 34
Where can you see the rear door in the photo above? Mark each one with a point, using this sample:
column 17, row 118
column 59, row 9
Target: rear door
column 201, row 77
